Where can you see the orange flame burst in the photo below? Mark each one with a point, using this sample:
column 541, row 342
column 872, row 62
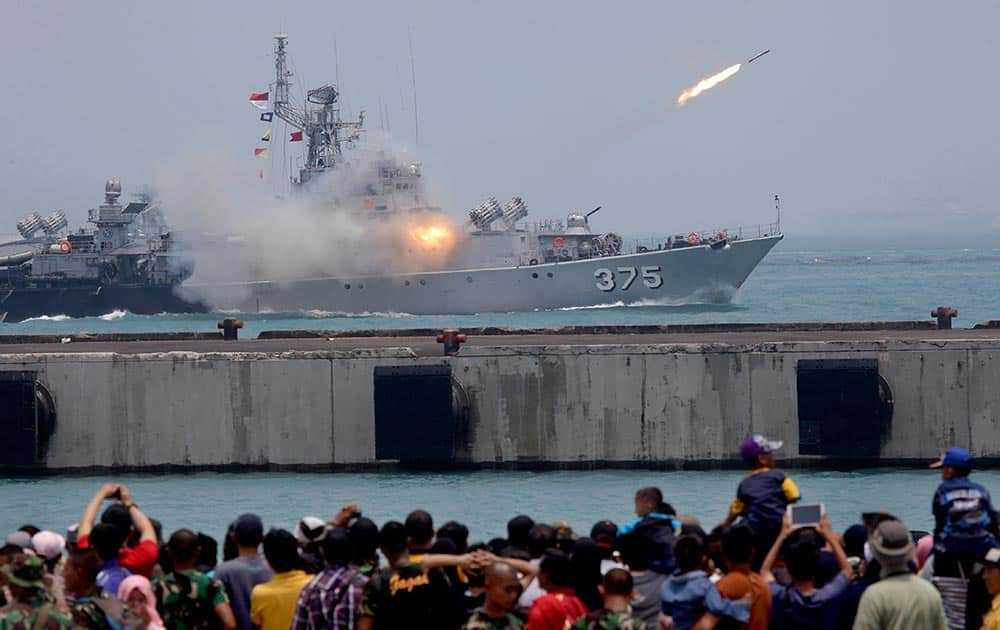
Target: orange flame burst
column 706, row 84
column 431, row 235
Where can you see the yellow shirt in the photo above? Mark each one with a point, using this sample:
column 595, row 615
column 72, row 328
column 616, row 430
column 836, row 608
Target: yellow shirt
column 991, row 620
column 272, row 604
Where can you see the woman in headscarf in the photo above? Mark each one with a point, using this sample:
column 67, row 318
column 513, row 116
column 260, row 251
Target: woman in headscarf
column 137, row 595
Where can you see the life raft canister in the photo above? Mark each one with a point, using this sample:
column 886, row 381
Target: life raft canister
column 65, row 247
column 693, row 238
column 558, row 242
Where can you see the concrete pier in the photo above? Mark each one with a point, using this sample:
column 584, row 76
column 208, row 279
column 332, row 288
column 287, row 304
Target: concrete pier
column 847, row 394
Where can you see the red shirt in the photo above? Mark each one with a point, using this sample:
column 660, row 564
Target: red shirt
column 555, row 610
column 139, row 559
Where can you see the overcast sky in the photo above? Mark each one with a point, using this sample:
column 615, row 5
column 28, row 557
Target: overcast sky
column 865, row 116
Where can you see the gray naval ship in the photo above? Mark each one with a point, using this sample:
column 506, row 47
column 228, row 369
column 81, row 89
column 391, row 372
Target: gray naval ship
column 497, row 261
column 126, row 262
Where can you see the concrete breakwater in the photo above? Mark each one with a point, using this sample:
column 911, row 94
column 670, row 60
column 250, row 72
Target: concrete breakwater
column 863, row 394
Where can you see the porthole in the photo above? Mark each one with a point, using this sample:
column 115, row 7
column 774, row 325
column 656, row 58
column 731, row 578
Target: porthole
column 423, row 282
column 468, row 279
column 347, row 286
column 549, row 274
column 534, row 274
column 406, row 283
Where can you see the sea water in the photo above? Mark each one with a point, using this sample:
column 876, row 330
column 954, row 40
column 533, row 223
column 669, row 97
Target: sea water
column 803, row 279
column 484, row 500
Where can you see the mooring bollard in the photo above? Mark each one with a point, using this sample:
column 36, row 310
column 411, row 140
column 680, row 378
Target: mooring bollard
column 230, row 326
column 452, row 339
column 944, row 315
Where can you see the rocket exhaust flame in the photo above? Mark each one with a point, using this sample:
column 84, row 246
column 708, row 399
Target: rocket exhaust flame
column 706, row 84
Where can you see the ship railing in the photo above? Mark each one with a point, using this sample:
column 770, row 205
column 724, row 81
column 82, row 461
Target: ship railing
column 738, row 233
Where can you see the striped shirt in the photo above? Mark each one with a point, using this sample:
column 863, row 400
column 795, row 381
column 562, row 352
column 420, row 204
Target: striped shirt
column 330, row 600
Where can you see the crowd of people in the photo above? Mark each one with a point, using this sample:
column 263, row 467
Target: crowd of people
column 765, row 566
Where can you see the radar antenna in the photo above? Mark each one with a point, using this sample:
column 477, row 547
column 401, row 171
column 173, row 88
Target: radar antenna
column 318, row 119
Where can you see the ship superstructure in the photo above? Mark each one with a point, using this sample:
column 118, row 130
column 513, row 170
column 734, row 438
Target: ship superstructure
column 125, row 262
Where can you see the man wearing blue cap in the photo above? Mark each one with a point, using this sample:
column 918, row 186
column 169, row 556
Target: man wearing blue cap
column 964, row 517
column 965, row 528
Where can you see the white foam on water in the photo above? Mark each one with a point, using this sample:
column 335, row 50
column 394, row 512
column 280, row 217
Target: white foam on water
column 47, row 318
column 113, row 315
column 617, row 304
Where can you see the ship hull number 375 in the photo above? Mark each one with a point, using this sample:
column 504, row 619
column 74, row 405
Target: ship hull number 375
column 624, row 277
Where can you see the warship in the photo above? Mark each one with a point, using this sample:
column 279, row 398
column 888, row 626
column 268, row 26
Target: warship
column 495, row 261
column 126, row 262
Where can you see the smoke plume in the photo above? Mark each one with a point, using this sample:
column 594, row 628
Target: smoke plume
column 236, row 229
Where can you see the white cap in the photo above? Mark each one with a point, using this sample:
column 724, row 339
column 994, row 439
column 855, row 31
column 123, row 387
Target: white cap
column 48, row 545
column 309, row 529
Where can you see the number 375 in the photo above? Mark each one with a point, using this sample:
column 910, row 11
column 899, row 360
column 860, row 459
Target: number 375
column 607, row 281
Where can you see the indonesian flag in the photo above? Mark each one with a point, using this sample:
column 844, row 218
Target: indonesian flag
column 296, row 136
column 261, row 153
column 259, row 100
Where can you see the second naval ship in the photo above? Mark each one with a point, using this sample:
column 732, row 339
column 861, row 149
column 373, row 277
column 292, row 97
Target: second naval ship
column 497, row 261
column 127, row 262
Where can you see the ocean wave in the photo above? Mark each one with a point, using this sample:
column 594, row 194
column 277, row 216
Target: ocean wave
column 46, row 318
column 113, row 315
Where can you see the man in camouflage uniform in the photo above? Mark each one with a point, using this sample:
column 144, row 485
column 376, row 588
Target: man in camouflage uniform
column 186, row 598
column 32, row 608
column 617, row 592
column 92, row 607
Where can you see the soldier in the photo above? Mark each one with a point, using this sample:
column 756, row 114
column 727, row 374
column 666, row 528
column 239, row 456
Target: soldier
column 187, row 598
column 32, row 607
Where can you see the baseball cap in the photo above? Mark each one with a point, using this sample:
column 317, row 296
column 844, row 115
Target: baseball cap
column 25, row 571
column 19, row 539
column 954, row 456
column 757, row 444
column 891, row 542
column 309, row 529
column 248, row 527
column 48, row 544
column 992, row 556
column 603, row 533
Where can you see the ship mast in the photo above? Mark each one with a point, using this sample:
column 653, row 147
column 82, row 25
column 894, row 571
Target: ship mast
column 322, row 129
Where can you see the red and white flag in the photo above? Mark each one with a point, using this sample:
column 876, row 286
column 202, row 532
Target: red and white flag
column 296, row 136
column 259, row 100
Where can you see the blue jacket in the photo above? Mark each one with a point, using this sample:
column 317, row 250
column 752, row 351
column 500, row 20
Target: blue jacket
column 963, row 513
column 686, row 596
column 762, row 497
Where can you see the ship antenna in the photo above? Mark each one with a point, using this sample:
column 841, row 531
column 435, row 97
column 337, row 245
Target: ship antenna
column 318, row 121
column 777, row 206
column 413, row 77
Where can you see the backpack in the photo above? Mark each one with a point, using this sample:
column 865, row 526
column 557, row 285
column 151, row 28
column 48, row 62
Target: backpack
column 658, row 538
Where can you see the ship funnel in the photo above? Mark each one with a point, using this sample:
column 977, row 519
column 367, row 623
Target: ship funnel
column 513, row 211
column 112, row 190
column 54, row 222
column 29, row 225
column 486, row 213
